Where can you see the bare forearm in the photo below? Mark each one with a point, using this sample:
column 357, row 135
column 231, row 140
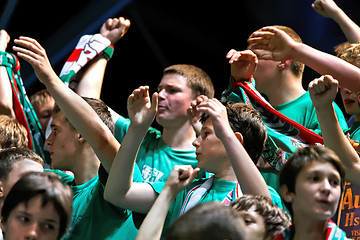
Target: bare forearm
column 85, row 120
column 6, row 97
column 152, row 226
column 91, row 82
column 348, row 27
column 335, row 139
column 248, row 175
column 120, row 189
column 347, row 74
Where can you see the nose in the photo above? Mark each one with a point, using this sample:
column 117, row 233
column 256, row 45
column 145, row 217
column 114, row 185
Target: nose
column 32, row 232
column 162, row 93
column 196, row 142
column 49, row 140
column 325, row 186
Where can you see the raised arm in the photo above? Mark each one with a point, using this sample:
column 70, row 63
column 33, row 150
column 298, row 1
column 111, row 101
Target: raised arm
column 323, row 92
column 329, row 9
column 92, row 79
column 273, row 44
column 247, row 174
column 120, row 189
column 6, row 97
column 76, row 110
column 179, row 178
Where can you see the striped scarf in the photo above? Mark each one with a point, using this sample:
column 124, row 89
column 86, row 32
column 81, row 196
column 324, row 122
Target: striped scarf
column 284, row 134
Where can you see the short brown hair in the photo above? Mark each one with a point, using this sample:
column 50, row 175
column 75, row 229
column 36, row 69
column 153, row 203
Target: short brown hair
column 47, row 185
column 300, row 159
column 197, row 79
column 9, row 157
column 246, row 120
column 12, row 133
column 275, row 219
column 99, row 107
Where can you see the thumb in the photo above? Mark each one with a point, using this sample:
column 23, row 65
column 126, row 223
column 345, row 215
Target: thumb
column 155, row 101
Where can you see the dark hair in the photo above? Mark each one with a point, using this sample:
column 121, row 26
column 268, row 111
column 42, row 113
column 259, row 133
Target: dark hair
column 246, row 120
column 197, row 79
column 100, row 108
column 207, row 221
column 49, row 187
column 10, row 156
column 275, row 219
column 300, row 159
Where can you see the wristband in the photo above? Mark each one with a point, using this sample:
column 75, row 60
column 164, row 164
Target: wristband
column 108, row 52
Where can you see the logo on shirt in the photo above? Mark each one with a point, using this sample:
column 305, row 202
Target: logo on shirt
column 150, row 174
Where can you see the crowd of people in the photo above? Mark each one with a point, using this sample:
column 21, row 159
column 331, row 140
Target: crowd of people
column 269, row 160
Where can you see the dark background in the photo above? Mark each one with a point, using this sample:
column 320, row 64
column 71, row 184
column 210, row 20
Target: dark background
column 164, row 33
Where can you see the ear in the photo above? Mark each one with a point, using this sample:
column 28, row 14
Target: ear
column 80, row 138
column 286, row 194
column 284, row 64
column 239, row 136
column 1, row 190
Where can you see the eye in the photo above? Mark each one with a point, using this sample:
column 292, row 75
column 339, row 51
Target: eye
column 334, row 182
column 48, row 227
column 204, row 134
column 23, row 219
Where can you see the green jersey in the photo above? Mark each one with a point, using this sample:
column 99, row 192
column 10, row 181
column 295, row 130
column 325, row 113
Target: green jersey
column 93, row 217
column 155, row 159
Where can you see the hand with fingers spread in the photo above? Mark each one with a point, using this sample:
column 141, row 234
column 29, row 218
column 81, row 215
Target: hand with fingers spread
column 218, row 114
column 243, row 64
column 180, row 177
column 141, row 108
column 115, row 28
column 194, row 115
column 32, row 52
column 271, row 43
column 323, row 91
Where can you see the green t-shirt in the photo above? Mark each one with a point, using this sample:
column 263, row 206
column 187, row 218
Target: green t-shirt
column 218, row 191
column 155, row 159
column 302, row 111
column 93, row 217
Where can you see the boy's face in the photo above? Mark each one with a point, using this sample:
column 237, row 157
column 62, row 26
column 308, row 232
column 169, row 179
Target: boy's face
column 317, row 191
column 62, row 142
column 350, row 101
column 174, row 99
column 33, row 221
column 210, row 151
column 44, row 112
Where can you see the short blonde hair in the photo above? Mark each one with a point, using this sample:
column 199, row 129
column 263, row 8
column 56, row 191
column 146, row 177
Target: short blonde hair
column 349, row 52
column 40, row 97
column 12, row 133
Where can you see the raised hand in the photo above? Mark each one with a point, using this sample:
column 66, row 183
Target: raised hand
column 218, row 114
column 323, row 91
column 180, row 177
column 326, row 8
column 115, row 28
column 243, row 64
column 141, row 108
column 271, row 43
column 194, row 114
column 32, row 52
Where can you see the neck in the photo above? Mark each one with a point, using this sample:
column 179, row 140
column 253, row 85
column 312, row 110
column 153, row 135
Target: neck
column 179, row 138
column 227, row 174
column 282, row 89
column 357, row 118
column 86, row 167
column 310, row 230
